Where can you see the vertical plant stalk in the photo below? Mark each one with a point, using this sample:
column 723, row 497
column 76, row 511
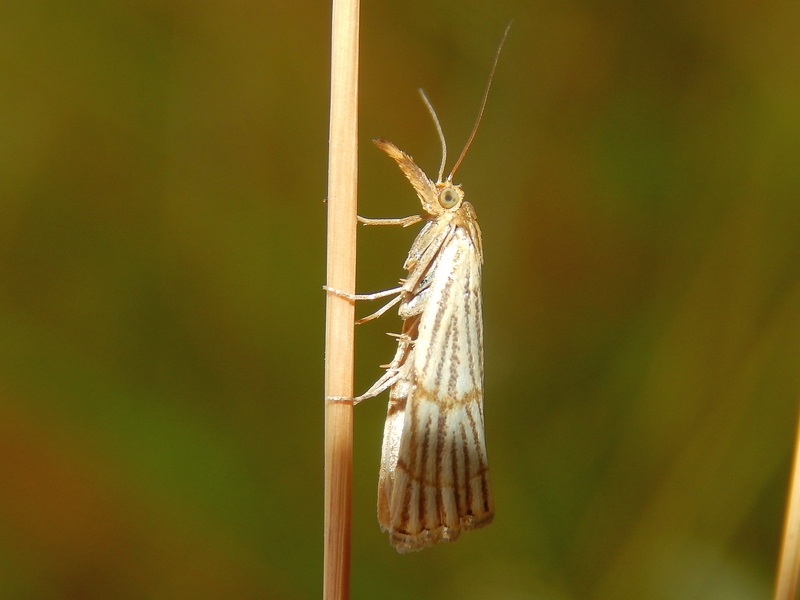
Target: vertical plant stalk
column 789, row 561
column 341, row 275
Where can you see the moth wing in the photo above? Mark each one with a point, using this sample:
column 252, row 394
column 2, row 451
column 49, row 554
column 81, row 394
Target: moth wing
column 434, row 476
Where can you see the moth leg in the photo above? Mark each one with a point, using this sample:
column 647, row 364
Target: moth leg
column 374, row 296
column 398, row 291
column 381, row 310
column 403, row 341
column 405, row 221
column 339, row 399
column 389, row 378
column 384, row 383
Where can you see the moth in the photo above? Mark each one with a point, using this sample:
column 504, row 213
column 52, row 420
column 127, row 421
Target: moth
column 434, row 474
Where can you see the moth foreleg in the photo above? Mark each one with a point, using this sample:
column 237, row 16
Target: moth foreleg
column 405, row 221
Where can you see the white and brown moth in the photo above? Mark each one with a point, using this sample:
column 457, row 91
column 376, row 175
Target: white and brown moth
column 434, row 474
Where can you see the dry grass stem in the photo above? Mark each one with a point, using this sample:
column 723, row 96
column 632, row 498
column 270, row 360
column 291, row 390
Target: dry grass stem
column 341, row 252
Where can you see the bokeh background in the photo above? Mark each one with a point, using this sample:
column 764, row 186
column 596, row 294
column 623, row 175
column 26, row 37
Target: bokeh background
column 162, row 234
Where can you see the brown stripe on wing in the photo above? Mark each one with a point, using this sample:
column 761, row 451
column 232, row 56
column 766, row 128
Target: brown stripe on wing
column 467, row 472
column 441, row 483
column 482, row 508
column 403, row 495
column 422, row 488
column 434, row 363
column 451, row 343
column 474, row 335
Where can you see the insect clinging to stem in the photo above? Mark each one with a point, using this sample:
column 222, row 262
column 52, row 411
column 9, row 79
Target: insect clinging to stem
column 434, row 475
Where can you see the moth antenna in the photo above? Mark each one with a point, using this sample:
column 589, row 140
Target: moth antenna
column 483, row 104
column 441, row 133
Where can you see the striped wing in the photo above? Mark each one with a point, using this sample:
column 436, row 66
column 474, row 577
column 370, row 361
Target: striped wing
column 434, row 478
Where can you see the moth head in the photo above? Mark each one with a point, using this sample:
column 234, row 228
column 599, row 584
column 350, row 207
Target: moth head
column 449, row 196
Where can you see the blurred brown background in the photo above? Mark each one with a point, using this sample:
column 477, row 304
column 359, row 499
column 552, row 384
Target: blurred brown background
column 162, row 170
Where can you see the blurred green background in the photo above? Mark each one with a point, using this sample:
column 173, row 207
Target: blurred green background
column 162, row 234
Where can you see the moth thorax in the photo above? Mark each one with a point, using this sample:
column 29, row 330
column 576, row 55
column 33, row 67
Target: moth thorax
column 450, row 196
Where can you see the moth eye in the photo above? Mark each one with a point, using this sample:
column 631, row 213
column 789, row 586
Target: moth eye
column 448, row 198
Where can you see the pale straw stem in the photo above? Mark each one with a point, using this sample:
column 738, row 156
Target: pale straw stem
column 341, row 252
